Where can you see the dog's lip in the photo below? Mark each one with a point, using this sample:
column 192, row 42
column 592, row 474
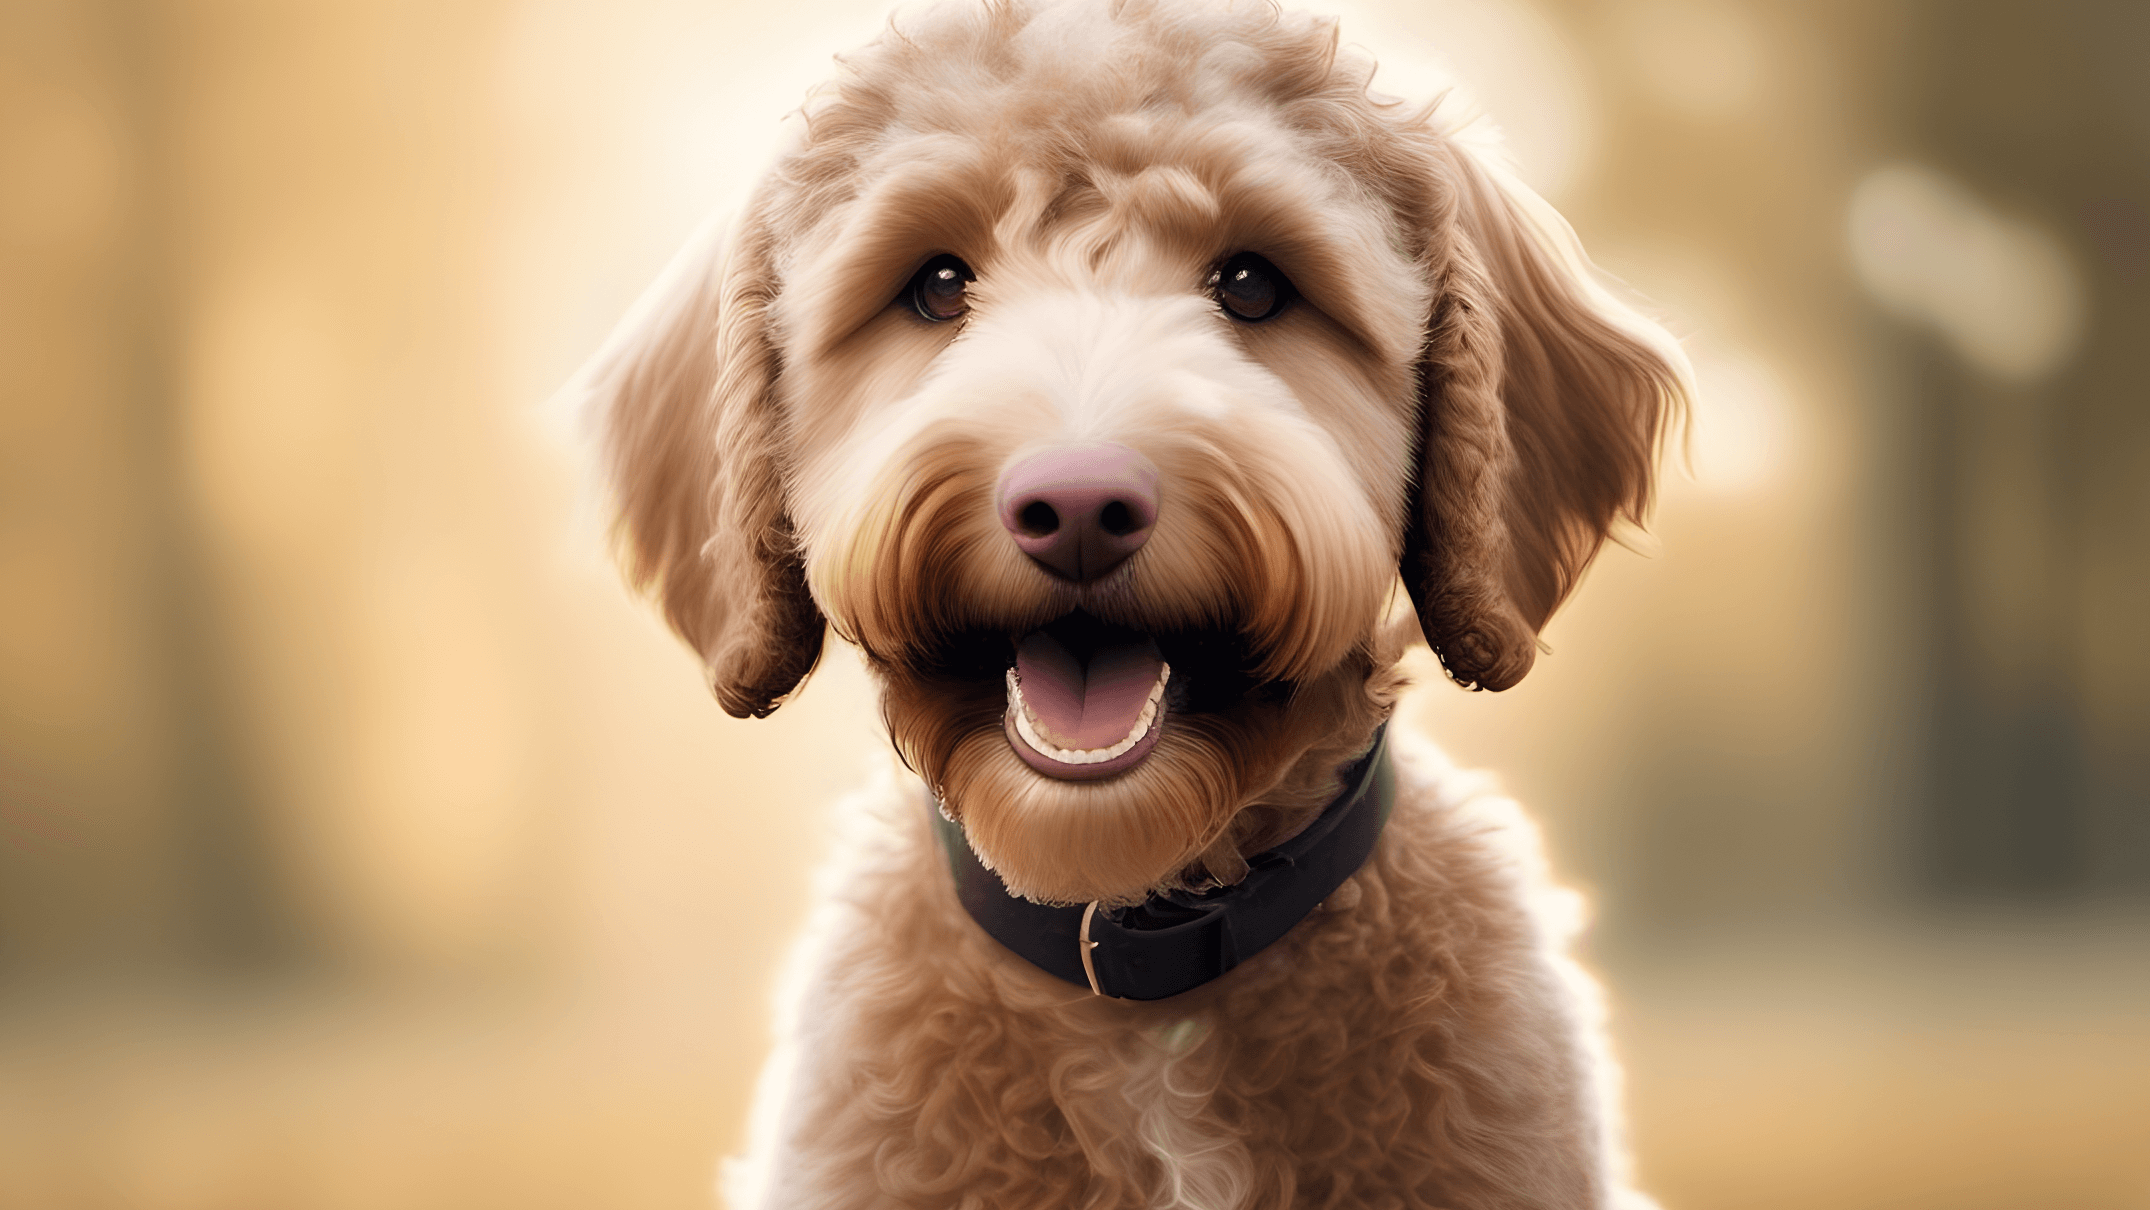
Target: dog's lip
column 1137, row 748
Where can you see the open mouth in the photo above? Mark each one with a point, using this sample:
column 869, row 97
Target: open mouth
column 1081, row 698
column 1086, row 699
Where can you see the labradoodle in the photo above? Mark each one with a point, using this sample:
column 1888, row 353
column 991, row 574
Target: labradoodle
column 1098, row 367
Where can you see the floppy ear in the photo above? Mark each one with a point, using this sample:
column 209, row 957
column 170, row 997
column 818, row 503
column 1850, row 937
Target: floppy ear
column 1543, row 401
column 692, row 446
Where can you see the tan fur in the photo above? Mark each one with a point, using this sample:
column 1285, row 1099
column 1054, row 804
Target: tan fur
column 1425, row 1047
column 1544, row 408
column 1452, row 397
column 691, row 440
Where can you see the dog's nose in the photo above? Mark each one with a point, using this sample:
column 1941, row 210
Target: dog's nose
column 1080, row 509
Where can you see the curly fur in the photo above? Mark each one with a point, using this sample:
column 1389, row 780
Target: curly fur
column 1420, row 1042
column 1452, row 398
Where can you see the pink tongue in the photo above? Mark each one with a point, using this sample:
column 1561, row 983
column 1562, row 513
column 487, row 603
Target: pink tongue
column 1078, row 708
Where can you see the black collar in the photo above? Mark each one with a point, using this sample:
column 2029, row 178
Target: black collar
column 1178, row 941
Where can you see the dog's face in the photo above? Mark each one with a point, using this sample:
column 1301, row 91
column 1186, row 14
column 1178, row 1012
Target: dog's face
column 1096, row 372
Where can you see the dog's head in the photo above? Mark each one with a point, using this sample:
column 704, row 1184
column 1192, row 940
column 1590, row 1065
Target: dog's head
column 1096, row 369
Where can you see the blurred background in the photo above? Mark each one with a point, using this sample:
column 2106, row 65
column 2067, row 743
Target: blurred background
column 363, row 844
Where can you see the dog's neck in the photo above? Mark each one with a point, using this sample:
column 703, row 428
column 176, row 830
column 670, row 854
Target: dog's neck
column 1363, row 696
column 1176, row 941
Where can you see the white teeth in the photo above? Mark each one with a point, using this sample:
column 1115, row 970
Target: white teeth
column 1026, row 724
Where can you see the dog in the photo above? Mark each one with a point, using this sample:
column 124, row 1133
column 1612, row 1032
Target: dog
column 1100, row 369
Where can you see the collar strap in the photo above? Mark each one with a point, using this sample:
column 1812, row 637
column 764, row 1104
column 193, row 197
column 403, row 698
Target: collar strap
column 1178, row 941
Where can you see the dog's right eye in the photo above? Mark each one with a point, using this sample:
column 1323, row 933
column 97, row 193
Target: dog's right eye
column 939, row 291
column 1249, row 288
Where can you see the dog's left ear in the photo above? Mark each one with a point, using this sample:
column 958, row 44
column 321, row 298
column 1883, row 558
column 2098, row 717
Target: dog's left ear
column 1543, row 402
column 693, row 448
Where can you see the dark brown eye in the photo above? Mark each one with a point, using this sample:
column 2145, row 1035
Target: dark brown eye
column 1249, row 288
column 939, row 290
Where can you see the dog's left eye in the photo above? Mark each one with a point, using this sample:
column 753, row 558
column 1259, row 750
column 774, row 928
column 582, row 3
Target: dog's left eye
column 939, row 291
column 1249, row 288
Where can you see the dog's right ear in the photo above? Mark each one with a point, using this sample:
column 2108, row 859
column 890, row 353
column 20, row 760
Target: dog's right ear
column 693, row 450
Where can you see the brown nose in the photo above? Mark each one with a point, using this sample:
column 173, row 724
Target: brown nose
column 1079, row 510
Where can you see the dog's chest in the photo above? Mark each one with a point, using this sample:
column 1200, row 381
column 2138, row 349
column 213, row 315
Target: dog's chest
column 1165, row 1097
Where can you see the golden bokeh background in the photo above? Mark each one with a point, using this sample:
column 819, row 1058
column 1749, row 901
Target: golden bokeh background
column 363, row 844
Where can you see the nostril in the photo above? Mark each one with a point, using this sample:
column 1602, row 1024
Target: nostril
column 1078, row 511
column 1038, row 518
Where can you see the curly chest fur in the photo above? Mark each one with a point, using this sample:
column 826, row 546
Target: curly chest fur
column 1416, row 1043
column 1132, row 1123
